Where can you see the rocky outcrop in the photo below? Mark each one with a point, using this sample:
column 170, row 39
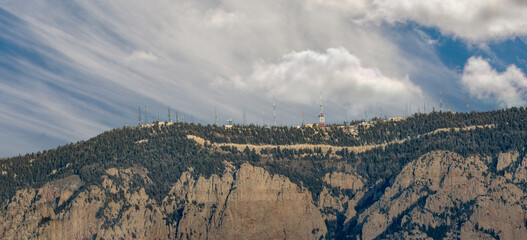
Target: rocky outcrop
column 344, row 192
column 244, row 203
column 505, row 159
column 63, row 210
column 446, row 195
column 344, row 181
column 439, row 195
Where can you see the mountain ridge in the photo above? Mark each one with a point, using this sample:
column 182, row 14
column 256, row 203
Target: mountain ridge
column 133, row 173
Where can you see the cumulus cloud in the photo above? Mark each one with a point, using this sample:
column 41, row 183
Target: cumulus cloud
column 340, row 75
column 508, row 88
column 477, row 21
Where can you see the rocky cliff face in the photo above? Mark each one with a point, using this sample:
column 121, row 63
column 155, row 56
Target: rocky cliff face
column 445, row 195
column 439, row 195
column 244, row 203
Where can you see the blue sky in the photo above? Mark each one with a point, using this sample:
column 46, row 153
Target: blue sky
column 72, row 69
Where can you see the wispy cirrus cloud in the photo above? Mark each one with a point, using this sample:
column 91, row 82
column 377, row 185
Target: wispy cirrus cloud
column 70, row 70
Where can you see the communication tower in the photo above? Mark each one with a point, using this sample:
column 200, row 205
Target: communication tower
column 146, row 115
column 346, row 122
column 274, row 113
column 321, row 117
column 169, row 117
column 302, row 118
column 244, row 118
column 140, row 113
column 215, row 117
column 467, row 106
column 440, row 102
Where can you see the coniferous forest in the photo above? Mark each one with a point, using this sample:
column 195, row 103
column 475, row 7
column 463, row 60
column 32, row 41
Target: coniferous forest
column 166, row 152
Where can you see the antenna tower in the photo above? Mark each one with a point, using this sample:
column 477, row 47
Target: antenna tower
column 139, row 115
column 244, row 118
column 302, row 118
column 321, row 117
column 146, row 115
column 467, row 106
column 440, row 102
column 215, row 117
column 169, row 117
column 274, row 113
column 177, row 117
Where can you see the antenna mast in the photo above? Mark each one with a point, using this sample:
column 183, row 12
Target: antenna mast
column 274, row 113
column 169, row 117
column 146, row 115
column 440, row 102
column 139, row 123
column 302, row 118
column 244, row 118
column 346, row 122
column 215, row 117
column 321, row 117
column 467, row 106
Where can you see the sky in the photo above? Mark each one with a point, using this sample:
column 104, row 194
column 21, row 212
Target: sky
column 70, row 70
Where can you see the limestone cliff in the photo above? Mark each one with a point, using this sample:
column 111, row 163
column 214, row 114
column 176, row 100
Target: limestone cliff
column 244, row 203
column 439, row 195
column 445, row 195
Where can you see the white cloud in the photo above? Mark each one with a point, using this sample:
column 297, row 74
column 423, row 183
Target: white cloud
column 103, row 58
column 341, row 77
column 508, row 88
column 474, row 20
column 351, row 7
column 141, row 55
column 220, row 18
